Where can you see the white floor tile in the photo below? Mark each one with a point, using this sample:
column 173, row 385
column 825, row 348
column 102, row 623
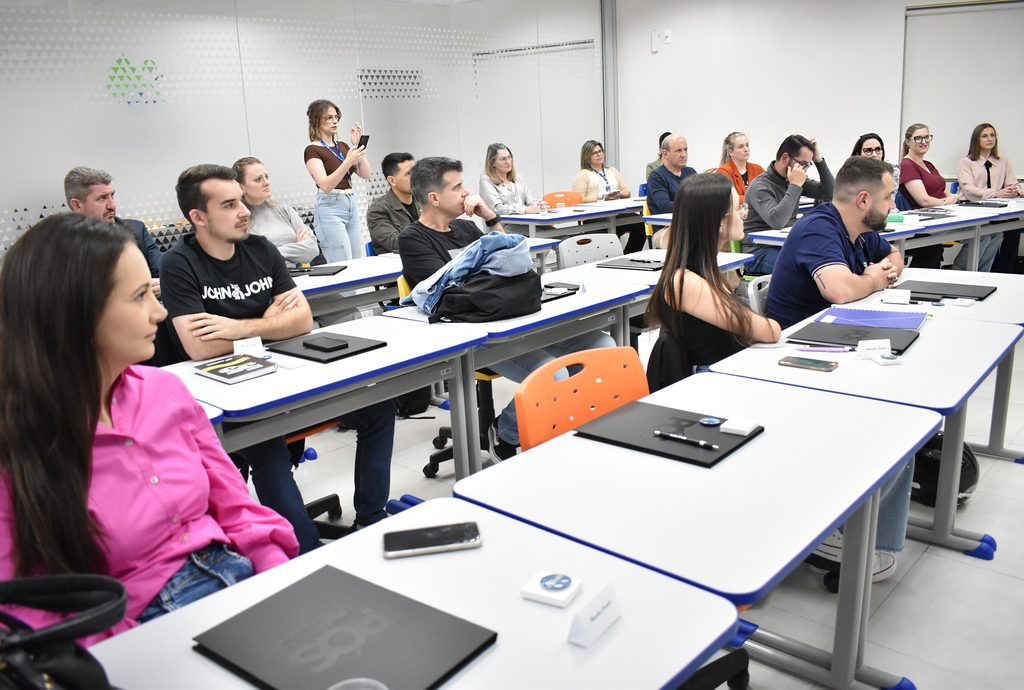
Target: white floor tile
column 956, row 616
column 1001, row 518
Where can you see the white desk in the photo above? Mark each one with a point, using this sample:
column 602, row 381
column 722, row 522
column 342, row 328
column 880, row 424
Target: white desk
column 806, row 203
column 293, row 399
column 1005, row 305
column 740, row 527
column 894, row 233
column 666, row 631
column 925, row 380
column 543, row 224
column 324, row 293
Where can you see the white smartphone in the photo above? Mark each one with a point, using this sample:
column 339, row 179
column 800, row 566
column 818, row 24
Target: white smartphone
column 416, row 542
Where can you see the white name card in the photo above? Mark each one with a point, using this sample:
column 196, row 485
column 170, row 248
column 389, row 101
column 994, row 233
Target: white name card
column 249, row 346
column 895, row 296
column 595, row 617
column 866, row 348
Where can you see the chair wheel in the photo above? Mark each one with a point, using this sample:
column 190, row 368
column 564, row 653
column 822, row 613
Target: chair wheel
column 740, row 681
column 430, row 471
column 334, row 513
column 440, row 442
column 832, row 582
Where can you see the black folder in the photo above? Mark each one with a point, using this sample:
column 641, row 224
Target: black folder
column 317, row 271
column 818, row 333
column 296, row 347
column 632, row 264
column 633, row 426
column 933, row 292
column 332, row 626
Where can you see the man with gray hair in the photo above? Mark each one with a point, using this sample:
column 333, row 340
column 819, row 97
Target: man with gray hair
column 91, row 191
column 664, row 181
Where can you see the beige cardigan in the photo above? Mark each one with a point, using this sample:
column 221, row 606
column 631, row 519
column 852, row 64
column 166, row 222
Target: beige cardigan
column 586, row 182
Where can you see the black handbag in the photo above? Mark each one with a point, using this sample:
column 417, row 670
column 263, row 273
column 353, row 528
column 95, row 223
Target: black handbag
column 484, row 297
column 50, row 659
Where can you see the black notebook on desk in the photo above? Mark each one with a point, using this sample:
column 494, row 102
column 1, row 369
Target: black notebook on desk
column 324, row 347
column 933, row 292
column 332, row 626
column 633, row 426
column 630, row 264
column 818, row 333
column 316, row 271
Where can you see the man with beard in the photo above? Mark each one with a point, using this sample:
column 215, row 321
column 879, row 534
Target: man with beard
column 834, row 255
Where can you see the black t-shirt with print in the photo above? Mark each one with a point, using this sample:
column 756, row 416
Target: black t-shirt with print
column 424, row 250
column 243, row 287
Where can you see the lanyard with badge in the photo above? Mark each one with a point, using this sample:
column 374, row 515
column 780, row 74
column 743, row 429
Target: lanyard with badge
column 337, row 154
column 604, row 176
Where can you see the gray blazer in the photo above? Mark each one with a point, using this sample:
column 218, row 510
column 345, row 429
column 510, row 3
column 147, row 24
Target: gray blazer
column 386, row 218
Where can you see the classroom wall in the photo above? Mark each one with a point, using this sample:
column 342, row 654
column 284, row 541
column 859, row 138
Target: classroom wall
column 143, row 89
column 825, row 68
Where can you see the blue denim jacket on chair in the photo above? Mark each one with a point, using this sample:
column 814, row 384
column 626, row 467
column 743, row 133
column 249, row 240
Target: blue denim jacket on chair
column 496, row 253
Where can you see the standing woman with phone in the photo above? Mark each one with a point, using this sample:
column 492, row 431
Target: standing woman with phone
column 332, row 163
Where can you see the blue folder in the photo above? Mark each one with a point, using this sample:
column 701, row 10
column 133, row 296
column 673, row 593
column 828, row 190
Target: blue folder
column 910, row 320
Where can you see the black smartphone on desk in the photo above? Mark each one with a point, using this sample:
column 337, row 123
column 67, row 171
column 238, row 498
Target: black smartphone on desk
column 416, row 542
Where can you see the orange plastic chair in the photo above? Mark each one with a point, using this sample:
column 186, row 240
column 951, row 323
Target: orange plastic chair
column 567, row 198
column 546, row 408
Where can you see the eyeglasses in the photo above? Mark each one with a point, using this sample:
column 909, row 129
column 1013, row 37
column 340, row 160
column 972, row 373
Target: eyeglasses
column 741, row 210
column 924, row 140
column 504, row 159
column 332, row 118
column 871, row 152
column 802, row 164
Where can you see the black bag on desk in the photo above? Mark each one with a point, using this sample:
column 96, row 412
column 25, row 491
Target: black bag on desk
column 485, row 297
column 50, row 658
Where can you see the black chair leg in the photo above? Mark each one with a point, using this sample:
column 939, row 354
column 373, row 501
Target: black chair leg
column 733, row 669
column 485, row 417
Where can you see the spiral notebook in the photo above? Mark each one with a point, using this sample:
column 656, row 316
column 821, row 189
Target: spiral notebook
column 910, row 320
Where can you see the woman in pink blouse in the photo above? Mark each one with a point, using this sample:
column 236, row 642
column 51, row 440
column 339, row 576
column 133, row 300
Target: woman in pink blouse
column 108, row 467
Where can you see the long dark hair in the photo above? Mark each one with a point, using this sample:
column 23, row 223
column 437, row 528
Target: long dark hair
column 974, row 152
column 53, row 288
column 701, row 204
column 859, row 146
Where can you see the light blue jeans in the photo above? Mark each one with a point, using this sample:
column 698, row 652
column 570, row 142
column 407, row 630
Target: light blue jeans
column 518, row 368
column 893, row 510
column 988, row 247
column 336, row 222
column 208, row 570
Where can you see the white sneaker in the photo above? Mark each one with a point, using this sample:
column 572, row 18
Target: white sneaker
column 883, row 564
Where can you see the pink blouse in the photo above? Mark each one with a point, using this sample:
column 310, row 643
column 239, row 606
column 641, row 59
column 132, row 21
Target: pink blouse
column 162, row 487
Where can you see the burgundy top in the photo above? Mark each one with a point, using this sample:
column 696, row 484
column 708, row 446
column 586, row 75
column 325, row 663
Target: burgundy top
column 934, row 185
column 331, row 162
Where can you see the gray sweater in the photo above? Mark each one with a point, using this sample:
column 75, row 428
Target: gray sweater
column 774, row 201
column 279, row 225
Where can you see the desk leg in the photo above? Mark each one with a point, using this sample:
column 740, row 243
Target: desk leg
column 620, row 329
column 471, row 418
column 542, row 261
column 459, row 410
column 901, row 244
column 941, row 530
column 972, row 249
column 996, row 445
column 845, row 664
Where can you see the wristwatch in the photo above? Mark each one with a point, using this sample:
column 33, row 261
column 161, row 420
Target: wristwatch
column 493, row 221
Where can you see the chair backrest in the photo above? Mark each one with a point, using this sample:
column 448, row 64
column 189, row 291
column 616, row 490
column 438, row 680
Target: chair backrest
column 403, row 287
column 757, row 291
column 643, row 190
column 584, row 249
column 735, row 246
column 369, row 249
column 567, row 198
column 545, row 407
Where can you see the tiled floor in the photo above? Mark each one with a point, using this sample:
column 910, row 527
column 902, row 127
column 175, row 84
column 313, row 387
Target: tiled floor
column 945, row 620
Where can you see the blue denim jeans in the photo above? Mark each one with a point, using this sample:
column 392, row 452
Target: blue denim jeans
column 988, row 247
column 206, row 571
column 271, row 467
column 764, row 260
column 518, row 368
column 336, row 222
column 894, row 509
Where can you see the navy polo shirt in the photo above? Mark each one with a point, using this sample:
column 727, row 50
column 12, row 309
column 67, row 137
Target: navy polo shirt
column 662, row 186
column 817, row 240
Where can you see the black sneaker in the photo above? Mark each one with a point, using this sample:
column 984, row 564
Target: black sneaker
column 500, row 449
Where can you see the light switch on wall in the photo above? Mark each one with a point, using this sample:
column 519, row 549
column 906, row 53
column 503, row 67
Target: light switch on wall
column 666, row 36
